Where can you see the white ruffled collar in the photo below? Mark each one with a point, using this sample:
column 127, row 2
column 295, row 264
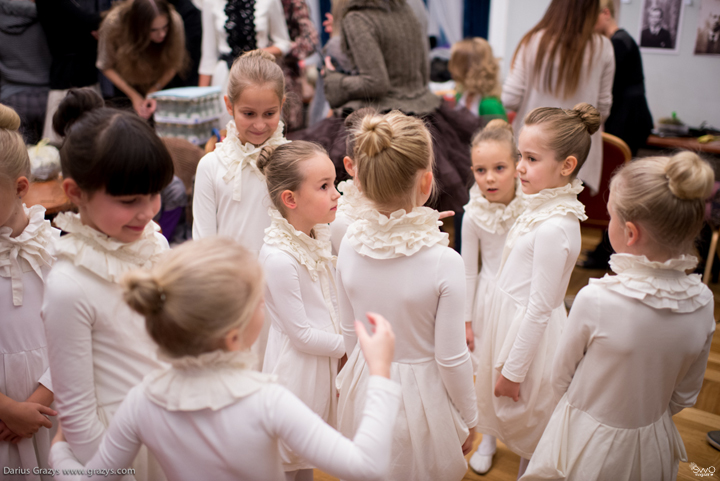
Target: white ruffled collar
column 212, row 380
column 661, row 285
column 235, row 155
column 103, row 255
column 402, row 234
column 494, row 217
column 34, row 244
column 352, row 202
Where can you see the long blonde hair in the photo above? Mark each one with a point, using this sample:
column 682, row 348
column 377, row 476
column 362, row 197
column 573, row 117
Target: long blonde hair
column 195, row 294
column 473, row 66
column 14, row 159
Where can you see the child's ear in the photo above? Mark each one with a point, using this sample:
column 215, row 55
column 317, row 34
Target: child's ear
column 632, row 233
column 73, row 192
column 426, row 182
column 288, row 199
column 22, row 186
column 228, row 106
column 349, row 166
column 568, row 166
column 233, row 341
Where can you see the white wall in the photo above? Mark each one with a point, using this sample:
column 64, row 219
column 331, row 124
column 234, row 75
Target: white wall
column 683, row 83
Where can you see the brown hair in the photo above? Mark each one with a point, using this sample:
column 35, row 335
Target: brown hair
column 195, row 294
column 390, row 151
column 14, row 159
column 666, row 195
column 281, row 167
column 568, row 131
column 497, row 130
column 473, row 66
column 566, row 29
column 258, row 68
column 138, row 60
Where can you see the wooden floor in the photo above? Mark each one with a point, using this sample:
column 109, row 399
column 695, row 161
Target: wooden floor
column 693, row 424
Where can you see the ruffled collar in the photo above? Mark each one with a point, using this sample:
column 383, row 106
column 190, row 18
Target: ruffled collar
column 494, row 217
column 103, row 255
column 314, row 253
column 402, row 234
column 352, row 202
column 34, row 244
column 235, row 155
column 661, row 285
column 212, row 380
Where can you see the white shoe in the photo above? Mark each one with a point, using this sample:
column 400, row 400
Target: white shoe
column 481, row 463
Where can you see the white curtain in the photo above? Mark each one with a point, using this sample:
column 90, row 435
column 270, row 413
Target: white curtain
column 446, row 17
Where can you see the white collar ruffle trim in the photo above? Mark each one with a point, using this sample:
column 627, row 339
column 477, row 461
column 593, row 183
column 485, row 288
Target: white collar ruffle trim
column 34, row 244
column 661, row 285
column 103, row 255
column 235, row 155
column 378, row 236
column 494, row 217
column 212, row 380
column 352, row 202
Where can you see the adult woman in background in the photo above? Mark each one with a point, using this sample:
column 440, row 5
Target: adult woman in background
column 141, row 48
column 561, row 62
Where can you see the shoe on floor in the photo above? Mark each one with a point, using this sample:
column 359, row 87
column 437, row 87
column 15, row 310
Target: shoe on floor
column 481, row 463
column 713, row 437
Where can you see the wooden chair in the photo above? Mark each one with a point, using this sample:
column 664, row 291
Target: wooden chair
column 615, row 153
column 707, row 275
column 185, row 157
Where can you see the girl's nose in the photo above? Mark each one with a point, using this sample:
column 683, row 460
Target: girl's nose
column 335, row 194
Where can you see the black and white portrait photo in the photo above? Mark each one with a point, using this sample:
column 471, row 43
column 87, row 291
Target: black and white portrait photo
column 708, row 33
column 660, row 25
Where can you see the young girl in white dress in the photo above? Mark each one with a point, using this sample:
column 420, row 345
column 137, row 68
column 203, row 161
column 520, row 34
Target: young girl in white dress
column 26, row 254
column 395, row 261
column 304, row 344
column 496, row 200
column 635, row 346
column 208, row 415
column 114, row 167
column 525, row 314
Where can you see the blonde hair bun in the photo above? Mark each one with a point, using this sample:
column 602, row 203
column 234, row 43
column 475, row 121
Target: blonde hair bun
column 689, row 177
column 499, row 124
column 265, row 157
column 143, row 293
column 589, row 116
column 9, row 119
column 375, row 135
column 259, row 53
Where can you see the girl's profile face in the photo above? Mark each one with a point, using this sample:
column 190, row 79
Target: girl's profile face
column 121, row 217
column 494, row 169
column 256, row 113
column 159, row 29
column 317, row 197
column 538, row 168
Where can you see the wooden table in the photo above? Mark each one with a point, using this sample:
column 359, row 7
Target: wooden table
column 50, row 195
column 689, row 143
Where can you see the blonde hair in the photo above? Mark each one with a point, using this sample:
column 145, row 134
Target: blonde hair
column 497, row 130
column 610, row 5
column 281, row 167
column 473, row 66
column 666, row 195
column 390, row 152
column 255, row 68
column 14, row 159
column 568, row 131
column 195, row 294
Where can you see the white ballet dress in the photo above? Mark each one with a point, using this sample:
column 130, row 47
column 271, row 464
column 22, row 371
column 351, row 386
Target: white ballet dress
column 525, row 317
column 350, row 204
column 485, row 226
column 99, row 348
column 400, row 267
column 25, row 261
column 632, row 355
column 304, row 343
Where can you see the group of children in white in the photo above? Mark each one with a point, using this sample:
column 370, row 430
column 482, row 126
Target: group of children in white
column 150, row 348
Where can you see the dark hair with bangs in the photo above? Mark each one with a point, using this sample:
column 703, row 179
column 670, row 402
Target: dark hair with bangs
column 112, row 149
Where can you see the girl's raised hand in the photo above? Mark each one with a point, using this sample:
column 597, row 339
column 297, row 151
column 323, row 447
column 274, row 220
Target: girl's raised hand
column 507, row 388
column 446, row 213
column 379, row 348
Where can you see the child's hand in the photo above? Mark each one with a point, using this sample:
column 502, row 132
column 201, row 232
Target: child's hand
column 378, row 349
column 26, row 418
column 468, row 444
column 469, row 336
column 504, row 387
column 7, row 435
column 446, row 213
column 328, row 23
column 59, row 436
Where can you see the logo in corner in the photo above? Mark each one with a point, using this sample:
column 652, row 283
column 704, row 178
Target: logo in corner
column 702, row 472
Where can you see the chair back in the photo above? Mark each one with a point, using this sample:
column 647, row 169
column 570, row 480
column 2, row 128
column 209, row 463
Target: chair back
column 185, row 157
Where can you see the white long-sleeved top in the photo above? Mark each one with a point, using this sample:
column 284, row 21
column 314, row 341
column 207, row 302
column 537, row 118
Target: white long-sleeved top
column 523, row 92
column 99, row 348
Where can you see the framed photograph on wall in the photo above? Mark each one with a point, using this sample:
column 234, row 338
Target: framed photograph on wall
column 708, row 32
column 660, row 23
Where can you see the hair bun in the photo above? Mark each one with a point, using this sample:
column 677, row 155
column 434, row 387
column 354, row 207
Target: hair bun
column 375, row 135
column 76, row 103
column 259, row 53
column 589, row 116
column 9, row 119
column 498, row 124
column 264, row 157
column 689, row 176
column 142, row 293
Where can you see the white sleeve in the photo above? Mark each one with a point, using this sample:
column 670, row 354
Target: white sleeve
column 283, row 284
column 204, row 200
column 278, row 34
column 606, row 81
column 516, row 83
column 687, row 390
column 68, row 317
column 451, row 351
column 347, row 314
column 46, row 380
column 209, row 50
column 551, row 251
column 366, row 457
column 117, row 450
column 470, row 249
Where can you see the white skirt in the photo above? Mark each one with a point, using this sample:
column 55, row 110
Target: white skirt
column 485, row 286
column 576, row 446
column 518, row 424
column 429, row 430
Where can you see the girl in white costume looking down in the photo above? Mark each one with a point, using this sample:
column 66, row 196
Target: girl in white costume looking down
column 635, row 346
